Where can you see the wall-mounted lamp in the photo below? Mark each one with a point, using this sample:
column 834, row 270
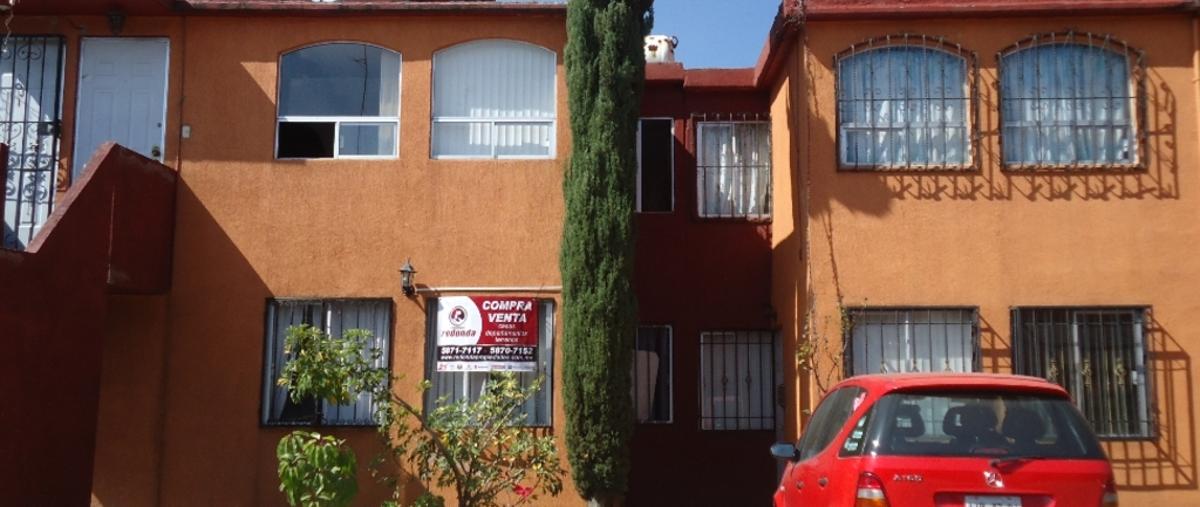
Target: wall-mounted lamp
column 116, row 21
column 406, row 278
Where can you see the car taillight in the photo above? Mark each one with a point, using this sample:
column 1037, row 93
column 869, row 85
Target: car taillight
column 870, row 492
column 1110, row 494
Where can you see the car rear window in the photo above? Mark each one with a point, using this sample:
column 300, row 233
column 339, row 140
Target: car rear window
column 986, row 424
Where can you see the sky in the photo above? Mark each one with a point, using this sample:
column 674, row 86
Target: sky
column 712, row 33
column 716, row 33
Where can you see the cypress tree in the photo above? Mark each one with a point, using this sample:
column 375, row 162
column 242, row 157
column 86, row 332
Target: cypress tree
column 605, row 74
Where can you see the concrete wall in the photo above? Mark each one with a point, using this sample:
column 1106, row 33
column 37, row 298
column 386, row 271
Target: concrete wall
column 110, row 234
column 995, row 239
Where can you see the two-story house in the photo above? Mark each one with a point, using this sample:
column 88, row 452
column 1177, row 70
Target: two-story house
column 998, row 186
column 319, row 148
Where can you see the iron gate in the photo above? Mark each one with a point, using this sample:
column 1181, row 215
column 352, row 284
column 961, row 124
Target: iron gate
column 31, row 75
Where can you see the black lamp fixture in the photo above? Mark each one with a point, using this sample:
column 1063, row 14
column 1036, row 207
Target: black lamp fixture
column 406, row 278
column 116, row 21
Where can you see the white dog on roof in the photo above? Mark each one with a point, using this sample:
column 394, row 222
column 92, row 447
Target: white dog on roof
column 660, row 48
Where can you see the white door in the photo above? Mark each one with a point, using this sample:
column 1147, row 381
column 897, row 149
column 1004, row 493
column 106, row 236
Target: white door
column 122, row 96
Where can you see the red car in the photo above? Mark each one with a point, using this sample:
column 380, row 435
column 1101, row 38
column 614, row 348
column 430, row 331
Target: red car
column 946, row 440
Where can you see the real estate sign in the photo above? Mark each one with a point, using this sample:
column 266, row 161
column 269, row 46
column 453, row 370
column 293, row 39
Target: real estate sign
column 483, row 333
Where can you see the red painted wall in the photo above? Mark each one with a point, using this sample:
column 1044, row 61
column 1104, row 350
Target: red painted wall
column 110, row 234
column 699, row 275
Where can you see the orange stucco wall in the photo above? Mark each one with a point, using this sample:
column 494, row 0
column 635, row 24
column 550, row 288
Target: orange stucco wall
column 251, row 228
column 181, row 388
column 994, row 239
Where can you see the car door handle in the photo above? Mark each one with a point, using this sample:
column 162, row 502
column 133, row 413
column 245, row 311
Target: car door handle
column 822, row 482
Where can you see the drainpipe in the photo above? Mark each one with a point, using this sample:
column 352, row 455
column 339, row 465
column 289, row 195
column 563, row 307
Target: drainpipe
column 1196, row 64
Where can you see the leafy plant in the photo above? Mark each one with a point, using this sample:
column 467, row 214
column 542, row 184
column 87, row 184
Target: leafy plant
column 315, row 470
column 477, row 447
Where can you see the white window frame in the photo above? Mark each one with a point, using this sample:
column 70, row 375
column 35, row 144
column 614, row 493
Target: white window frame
column 435, row 119
column 700, row 166
column 670, row 374
column 337, row 121
column 670, row 148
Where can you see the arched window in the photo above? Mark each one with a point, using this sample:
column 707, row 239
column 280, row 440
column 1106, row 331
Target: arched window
column 338, row 100
column 494, row 99
column 904, row 102
column 1068, row 100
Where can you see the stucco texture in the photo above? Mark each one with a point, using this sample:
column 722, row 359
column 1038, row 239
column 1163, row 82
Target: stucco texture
column 182, row 376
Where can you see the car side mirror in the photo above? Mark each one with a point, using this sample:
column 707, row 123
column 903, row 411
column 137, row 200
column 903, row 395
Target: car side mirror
column 784, row 450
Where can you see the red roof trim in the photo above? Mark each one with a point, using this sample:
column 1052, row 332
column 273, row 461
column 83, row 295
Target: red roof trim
column 720, row 79
column 829, row 10
column 491, row 7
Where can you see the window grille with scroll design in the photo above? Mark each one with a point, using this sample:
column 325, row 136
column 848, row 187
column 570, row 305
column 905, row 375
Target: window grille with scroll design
column 1096, row 354
column 906, row 102
column 737, row 380
column 1071, row 100
column 30, row 123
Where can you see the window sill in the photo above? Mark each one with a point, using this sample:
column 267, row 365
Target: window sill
column 764, row 220
column 284, row 425
column 342, row 158
column 488, row 158
column 1074, row 168
column 908, row 169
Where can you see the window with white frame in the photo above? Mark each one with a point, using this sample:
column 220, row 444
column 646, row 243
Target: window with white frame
column 656, row 165
column 454, row 386
column 652, row 387
column 494, row 99
column 900, row 340
column 334, row 317
column 903, row 102
column 737, row 380
column 1097, row 354
column 338, row 100
column 733, row 169
column 1069, row 100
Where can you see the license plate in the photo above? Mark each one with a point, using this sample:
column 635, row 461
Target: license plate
column 992, row 501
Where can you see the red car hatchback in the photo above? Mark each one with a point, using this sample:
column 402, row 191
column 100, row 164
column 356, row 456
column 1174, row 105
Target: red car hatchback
column 945, row 440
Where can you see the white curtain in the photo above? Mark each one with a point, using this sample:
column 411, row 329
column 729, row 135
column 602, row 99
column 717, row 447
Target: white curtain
column 734, row 170
column 335, row 318
column 897, row 341
column 1067, row 103
column 494, row 98
column 901, row 106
